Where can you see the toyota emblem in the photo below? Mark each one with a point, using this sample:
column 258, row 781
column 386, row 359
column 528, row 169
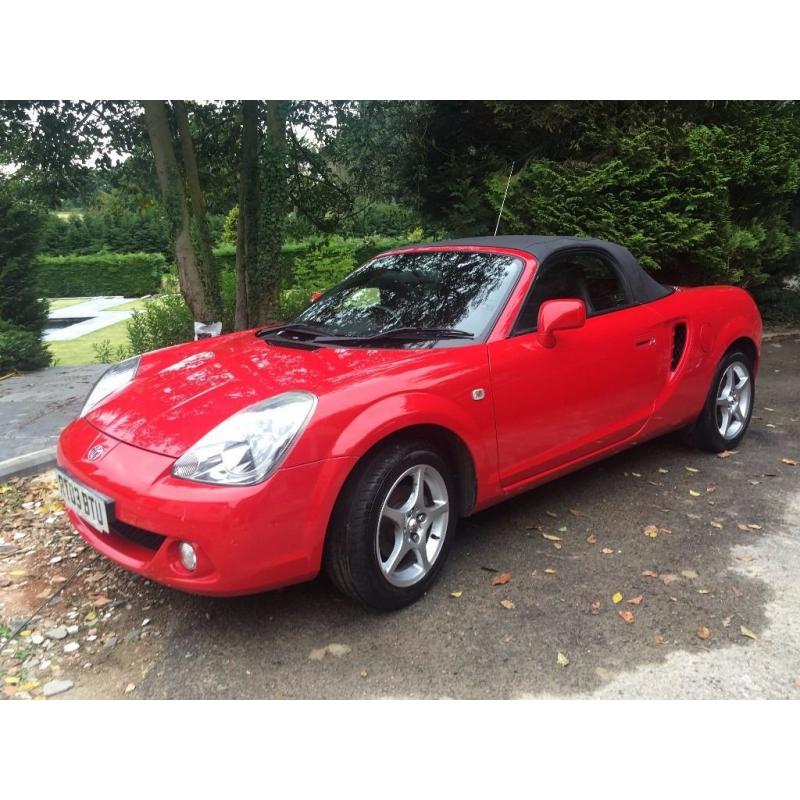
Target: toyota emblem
column 95, row 452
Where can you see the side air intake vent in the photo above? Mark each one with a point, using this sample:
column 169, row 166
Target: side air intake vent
column 678, row 344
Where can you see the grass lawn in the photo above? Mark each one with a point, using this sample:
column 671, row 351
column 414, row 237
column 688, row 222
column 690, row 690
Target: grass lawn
column 76, row 352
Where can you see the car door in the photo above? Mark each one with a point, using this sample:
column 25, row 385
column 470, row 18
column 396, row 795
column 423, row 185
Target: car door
column 594, row 388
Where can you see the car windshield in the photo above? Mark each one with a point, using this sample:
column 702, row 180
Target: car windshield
column 454, row 295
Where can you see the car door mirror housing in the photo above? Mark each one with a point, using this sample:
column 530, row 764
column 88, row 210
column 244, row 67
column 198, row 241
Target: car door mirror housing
column 559, row 315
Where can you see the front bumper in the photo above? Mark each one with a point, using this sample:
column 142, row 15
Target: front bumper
column 248, row 538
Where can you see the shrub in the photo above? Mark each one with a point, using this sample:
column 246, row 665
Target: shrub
column 163, row 322
column 128, row 274
column 21, row 349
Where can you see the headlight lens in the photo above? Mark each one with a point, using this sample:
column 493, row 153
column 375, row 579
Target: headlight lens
column 247, row 447
column 112, row 379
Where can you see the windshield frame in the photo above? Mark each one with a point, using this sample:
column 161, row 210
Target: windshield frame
column 482, row 337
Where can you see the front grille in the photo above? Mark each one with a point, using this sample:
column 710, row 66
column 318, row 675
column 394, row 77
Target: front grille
column 147, row 539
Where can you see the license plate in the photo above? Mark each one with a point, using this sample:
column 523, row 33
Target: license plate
column 87, row 504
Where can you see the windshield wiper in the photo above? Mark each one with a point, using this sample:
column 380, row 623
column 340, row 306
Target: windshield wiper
column 399, row 334
column 294, row 327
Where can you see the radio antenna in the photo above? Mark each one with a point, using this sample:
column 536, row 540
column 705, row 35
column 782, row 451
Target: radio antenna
column 505, row 193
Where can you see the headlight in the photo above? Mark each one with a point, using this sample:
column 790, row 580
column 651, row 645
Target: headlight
column 112, row 379
column 250, row 445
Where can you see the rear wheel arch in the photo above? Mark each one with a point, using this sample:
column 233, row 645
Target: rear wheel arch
column 747, row 346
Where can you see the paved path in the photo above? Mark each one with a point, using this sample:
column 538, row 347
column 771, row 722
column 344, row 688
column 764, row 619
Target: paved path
column 98, row 313
column 34, row 407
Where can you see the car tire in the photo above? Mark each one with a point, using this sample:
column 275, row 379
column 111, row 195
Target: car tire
column 393, row 525
column 729, row 405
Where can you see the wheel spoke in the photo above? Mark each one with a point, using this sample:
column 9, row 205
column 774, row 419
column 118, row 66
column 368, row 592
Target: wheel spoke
column 421, row 552
column 435, row 511
column 726, row 420
column 394, row 515
column 743, row 379
column 722, row 401
column 396, row 556
column 728, row 381
column 737, row 413
column 414, row 500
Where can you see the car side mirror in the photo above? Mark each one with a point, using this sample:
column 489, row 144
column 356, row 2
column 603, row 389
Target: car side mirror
column 559, row 315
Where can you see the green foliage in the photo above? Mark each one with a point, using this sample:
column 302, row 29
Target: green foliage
column 106, row 353
column 163, row 322
column 21, row 349
column 22, row 312
column 128, row 274
column 229, row 224
column 670, row 193
column 20, row 225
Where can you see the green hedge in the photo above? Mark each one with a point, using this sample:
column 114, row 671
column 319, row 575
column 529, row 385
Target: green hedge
column 127, row 274
column 316, row 264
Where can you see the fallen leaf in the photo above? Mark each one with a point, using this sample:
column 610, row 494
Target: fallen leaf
column 690, row 574
column 595, row 606
column 754, row 483
column 754, row 527
column 507, row 604
column 90, row 617
column 550, row 571
column 616, row 597
column 741, row 526
column 663, row 471
column 703, row 632
column 576, row 513
column 100, row 600
column 716, row 524
column 551, row 514
column 636, row 474
column 648, row 573
column 691, row 469
column 562, row 659
column 557, row 545
column 693, row 493
column 364, row 673
column 17, row 573
column 726, row 453
column 627, row 616
column 562, row 529
column 456, row 594
column 606, row 551
column 551, row 538
column 703, row 591
column 668, row 579
column 790, row 461
column 726, row 623
column 501, row 579
column 129, row 688
column 659, row 639
column 591, row 539
column 635, row 601
column 747, row 632
column 651, row 531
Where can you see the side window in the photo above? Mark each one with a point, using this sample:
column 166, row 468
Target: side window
column 581, row 276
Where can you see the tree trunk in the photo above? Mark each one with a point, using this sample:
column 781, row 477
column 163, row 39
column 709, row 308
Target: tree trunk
column 264, row 285
column 204, row 254
column 170, row 181
column 247, row 228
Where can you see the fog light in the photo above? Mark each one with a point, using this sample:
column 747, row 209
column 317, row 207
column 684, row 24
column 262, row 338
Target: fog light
column 188, row 556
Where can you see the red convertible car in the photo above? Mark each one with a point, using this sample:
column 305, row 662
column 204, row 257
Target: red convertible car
column 434, row 381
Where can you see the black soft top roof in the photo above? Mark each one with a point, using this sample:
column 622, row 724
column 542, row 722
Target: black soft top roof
column 643, row 288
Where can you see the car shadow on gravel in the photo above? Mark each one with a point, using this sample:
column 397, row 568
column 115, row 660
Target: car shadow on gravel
column 569, row 546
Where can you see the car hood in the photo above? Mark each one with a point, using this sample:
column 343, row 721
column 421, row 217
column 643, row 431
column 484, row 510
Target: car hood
column 182, row 392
